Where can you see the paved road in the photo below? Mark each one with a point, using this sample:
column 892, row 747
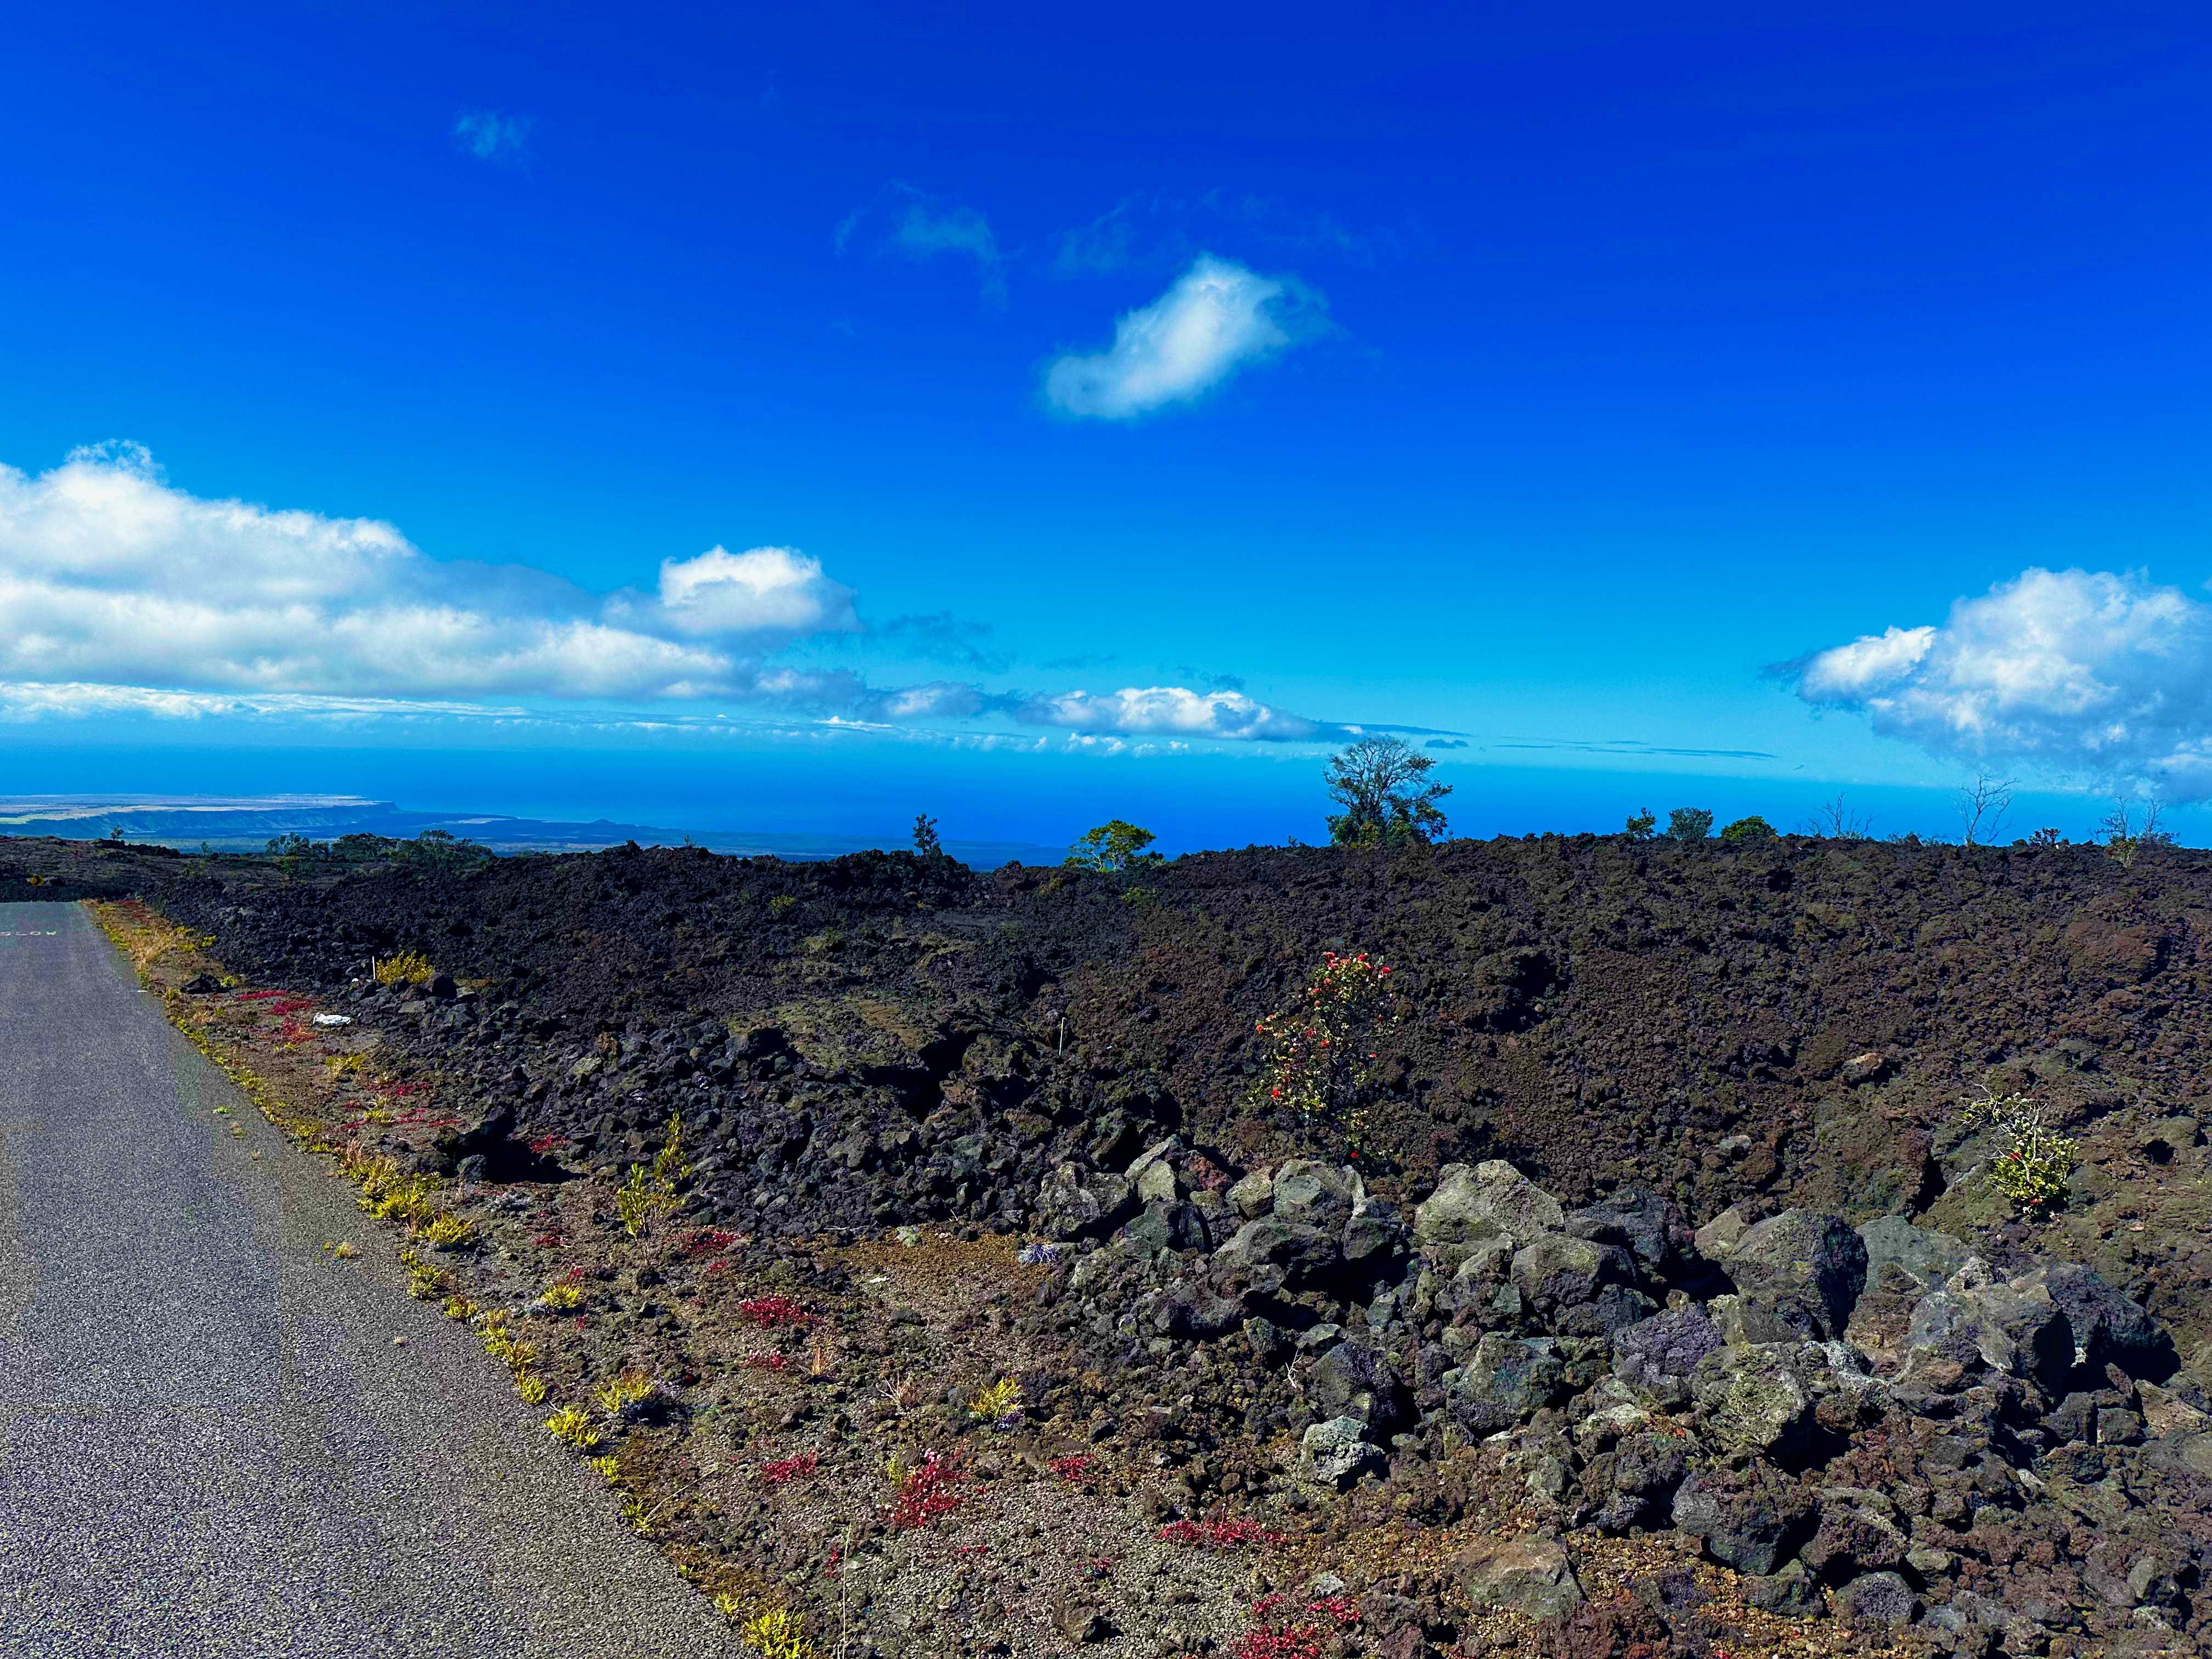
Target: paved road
column 208, row 1445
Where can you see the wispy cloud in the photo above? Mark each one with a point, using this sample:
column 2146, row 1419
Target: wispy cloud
column 1218, row 318
column 916, row 225
column 1162, row 230
column 942, row 637
column 2097, row 674
column 490, row 136
column 1627, row 746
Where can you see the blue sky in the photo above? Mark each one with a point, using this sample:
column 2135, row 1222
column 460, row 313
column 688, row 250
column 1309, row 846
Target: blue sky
column 1545, row 377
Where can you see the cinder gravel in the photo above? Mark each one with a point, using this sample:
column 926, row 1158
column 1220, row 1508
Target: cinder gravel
column 210, row 1443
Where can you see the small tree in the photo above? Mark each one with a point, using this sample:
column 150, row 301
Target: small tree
column 1112, row 848
column 1689, row 823
column 2046, row 836
column 1753, row 828
column 1835, row 820
column 2130, row 827
column 1641, row 826
column 1379, row 783
column 1982, row 806
column 925, row 837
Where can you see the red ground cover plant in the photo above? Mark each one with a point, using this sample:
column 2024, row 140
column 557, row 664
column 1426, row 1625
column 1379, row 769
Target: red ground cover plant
column 1293, row 1638
column 261, row 996
column 769, row 1313
column 706, row 1241
column 1074, row 1467
column 927, row 1491
column 1218, row 1534
column 542, row 1145
column 785, row 1470
column 767, row 1361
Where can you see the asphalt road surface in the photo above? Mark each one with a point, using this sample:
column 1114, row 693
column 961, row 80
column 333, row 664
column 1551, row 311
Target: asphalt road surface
column 210, row 1443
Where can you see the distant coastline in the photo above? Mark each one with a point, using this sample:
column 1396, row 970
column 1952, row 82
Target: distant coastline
column 247, row 823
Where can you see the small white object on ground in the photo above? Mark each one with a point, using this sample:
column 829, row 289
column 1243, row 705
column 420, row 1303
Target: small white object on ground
column 333, row 1019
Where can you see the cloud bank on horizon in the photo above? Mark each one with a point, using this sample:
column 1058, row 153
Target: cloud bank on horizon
column 120, row 594
column 2090, row 674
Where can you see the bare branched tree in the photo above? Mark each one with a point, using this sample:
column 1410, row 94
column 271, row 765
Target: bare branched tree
column 1984, row 805
column 2130, row 826
column 1835, row 820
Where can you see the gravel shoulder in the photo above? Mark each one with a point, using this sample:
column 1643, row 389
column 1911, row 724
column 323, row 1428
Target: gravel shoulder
column 220, row 1439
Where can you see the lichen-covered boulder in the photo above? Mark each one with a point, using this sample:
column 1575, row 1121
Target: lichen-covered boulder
column 1335, row 1453
column 1658, row 1354
column 2020, row 1333
column 1529, row 1575
column 1810, row 1268
column 1480, row 1201
column 1504, row 1382
column 1752, row 1518
column 1751, row 1397
column 1079, row 1203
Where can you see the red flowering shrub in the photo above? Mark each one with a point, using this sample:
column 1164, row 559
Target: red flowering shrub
column 1321, row 1049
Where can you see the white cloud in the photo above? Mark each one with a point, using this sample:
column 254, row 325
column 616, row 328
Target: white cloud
column 762, row 592
column 1172, row 709
column 123, row 596
column 490, row 136
column 1218, row 317
column 2103, row 676
column 108, row 575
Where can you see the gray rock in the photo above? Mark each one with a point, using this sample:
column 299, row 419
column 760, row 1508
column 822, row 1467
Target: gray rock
column 1335, row 1453
column 1304, row 1253
column 1658, row 1354
column 2020, row 1333
column 1471, row 1204
column 1153, row 1175
column 1718, row 1238
column 1553, row 1271
column 1810, row 1268
column 1876, row 1598
column 1634, row 1219
column 1751, row 1519
column 1926, row 1258
column 1852, row 1539
column 1319, row 1193
column 1079, row 1203
column 1529, row 1575
column 2108, row 1326
column 1790, row 1591
column 1255, row 1195
column 1504, row 1382
column 1374, row 1236
column 1356, row 1379
column 1751, row 1397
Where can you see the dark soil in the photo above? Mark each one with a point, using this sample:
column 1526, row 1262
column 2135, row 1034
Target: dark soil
column 882, row 1040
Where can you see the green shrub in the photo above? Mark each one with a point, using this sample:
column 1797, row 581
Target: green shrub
column 1641, row 826
column 1753, row 828
column 1689, row 823
column 2032, row 1161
